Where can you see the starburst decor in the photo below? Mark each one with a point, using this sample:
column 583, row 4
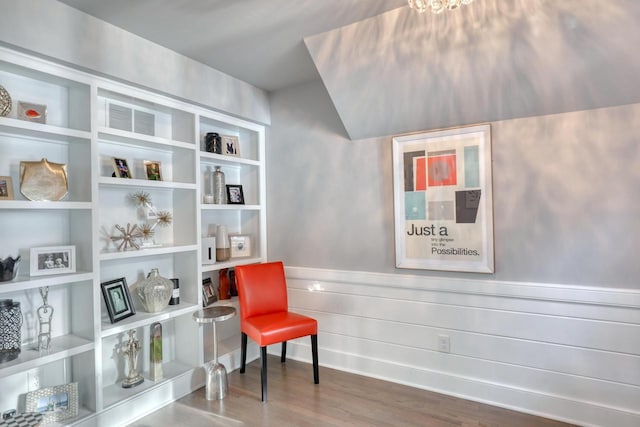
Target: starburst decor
column 141, row 198
column 146, row 231
column 164, row 218
column 127, row 237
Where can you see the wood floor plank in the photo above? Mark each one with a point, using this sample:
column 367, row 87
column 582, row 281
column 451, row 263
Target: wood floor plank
column 341, row 399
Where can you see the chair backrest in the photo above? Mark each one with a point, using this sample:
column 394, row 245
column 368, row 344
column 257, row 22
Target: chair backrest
column 262, row 289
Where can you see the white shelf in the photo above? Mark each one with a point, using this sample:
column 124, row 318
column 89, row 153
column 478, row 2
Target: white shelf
column 212, row 207
column 219, row 159
column 21, row 283
column 142, row 318
column 42, row 131
column 29, row 205
column 61, row 347
column 233, row 302
column 231, row 263
column 127, row 182
column 117, row 136
column 144, row 252
column 114, row 393
column 83, row 413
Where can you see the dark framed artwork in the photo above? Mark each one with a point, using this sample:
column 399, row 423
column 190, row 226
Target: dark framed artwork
column 208, row 292
column 235, row 196
column 117, row 299
column 121, row 168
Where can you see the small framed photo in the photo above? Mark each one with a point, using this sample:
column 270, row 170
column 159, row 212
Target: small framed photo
column 6, row 188
column 32, row 112
column 121, row 168
column 55, row 403
column 52, row 260
column 230, row 145
column 152, row 170
column 117, row 299
column 208, row 292
column 235, row 196
column 240, row 245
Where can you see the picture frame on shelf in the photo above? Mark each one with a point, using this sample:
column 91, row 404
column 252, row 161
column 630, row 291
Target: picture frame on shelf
column 235, row 195
column 32, row 112
column 121, row 168
column 230, row 145
column 6, row 188
column 240, row 245
column 152, row 169
column 49, row 260
column 55, row 403
column 209, row 295
column 117, row 299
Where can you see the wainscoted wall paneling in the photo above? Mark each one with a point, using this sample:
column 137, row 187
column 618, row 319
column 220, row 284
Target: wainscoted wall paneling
column 566, row 352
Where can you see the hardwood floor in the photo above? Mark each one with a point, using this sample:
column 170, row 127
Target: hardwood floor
column 341, row 399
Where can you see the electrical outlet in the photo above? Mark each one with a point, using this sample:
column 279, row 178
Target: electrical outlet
column 444, row 344
column 34, row 380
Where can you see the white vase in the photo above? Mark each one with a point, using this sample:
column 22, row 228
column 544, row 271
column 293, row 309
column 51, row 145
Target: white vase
column 223, row 244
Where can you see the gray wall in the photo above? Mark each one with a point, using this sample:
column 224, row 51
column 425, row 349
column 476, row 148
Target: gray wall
column 63, row 34
column 565, row 190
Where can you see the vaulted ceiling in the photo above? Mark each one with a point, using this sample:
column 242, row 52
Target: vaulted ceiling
column 390, row 70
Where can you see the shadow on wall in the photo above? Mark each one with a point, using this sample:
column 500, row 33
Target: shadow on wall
column 492, row 60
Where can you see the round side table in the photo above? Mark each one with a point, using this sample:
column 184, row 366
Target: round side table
column 216, row 387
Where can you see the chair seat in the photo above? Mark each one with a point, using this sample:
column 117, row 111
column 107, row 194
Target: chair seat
column 273, row 328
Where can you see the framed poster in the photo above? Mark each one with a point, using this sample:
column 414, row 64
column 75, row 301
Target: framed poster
column 443, row 202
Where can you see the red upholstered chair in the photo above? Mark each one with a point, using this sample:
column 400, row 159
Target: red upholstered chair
column 265, row 315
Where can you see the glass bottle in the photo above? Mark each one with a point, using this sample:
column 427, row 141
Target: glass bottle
column 219, row 188
column 223, row 244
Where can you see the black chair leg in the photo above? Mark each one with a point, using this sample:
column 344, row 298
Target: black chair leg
column 263, row 372
column 243, row 352
column 314, row 354
column 283, row 356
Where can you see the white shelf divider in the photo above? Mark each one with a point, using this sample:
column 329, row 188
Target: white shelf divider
column 40, row 130
column 117, row 136
column 142, row 318
column 212, row 158
column 127, row 182
column 29, row 205
column 145, row 252
column 61, row 347
column 231, row 263
column 115, row 393
column 22, row 283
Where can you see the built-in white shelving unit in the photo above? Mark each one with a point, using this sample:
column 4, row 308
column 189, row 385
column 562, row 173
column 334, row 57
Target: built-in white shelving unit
column 90, row 120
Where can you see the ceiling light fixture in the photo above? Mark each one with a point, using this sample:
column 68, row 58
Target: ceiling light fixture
column 436, row 6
